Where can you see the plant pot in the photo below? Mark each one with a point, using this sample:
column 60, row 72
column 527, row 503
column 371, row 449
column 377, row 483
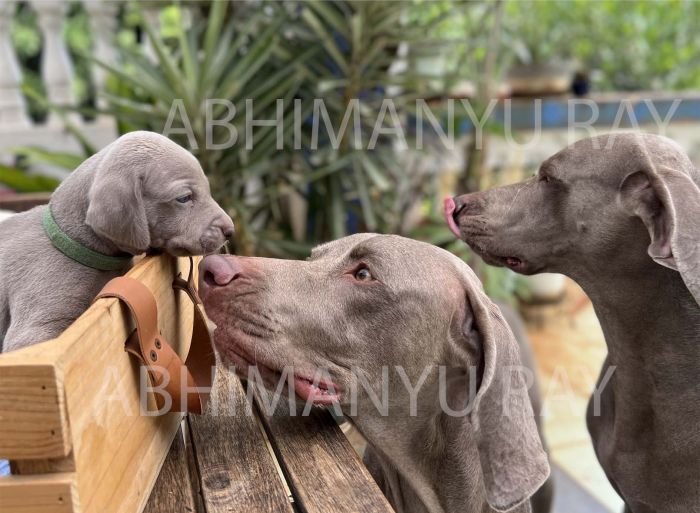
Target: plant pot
column 545, row 287
column 540, row 79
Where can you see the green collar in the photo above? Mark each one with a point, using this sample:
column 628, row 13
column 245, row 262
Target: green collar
column 76, row 251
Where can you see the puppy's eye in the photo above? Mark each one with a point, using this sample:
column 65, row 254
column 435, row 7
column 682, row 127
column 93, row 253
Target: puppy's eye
column 184, row 199
column 545, row 178
column 362, row 274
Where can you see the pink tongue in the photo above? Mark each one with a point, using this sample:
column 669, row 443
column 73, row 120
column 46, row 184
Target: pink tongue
column 317, row 395
column 449, row 209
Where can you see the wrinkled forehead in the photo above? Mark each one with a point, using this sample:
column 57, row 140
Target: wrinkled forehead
column 175, row 171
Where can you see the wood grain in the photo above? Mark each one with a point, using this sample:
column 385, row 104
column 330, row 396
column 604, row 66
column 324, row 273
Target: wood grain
column 49, row 466
column 56, row 493
column 322, row 468
column 236, row 469
column 176, row 489
column 33, row 419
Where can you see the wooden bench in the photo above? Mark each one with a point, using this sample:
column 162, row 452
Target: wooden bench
column 262, row 464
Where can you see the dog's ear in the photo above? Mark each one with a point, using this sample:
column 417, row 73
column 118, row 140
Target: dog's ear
column 668, row 203
column 513, row 462
column 116, row 208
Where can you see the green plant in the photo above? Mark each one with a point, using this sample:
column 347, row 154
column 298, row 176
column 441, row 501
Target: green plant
column 19, row 180
column 304, row 51
column 232, row 58
column 355, row 178
column 324, row 55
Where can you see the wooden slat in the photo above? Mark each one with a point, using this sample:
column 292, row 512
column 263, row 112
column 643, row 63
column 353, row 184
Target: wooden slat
column 33, row 420
column 323, row 469
column 50, row 466
column 117, row 451
column 55, row 493
column 176, row 489
column 236, row 469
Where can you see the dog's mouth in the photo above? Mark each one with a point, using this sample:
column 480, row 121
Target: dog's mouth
column 475, row 237
column 513, row 263
column 314, row 390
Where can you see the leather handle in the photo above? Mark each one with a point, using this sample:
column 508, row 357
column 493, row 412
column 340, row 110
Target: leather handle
column 166, row 369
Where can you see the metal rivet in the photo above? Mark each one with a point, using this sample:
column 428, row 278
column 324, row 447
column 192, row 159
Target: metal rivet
column 154, row 356
column 158, row 344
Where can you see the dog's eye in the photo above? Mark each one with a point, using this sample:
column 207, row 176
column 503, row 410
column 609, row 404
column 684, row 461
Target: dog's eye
column 184, row 199
column 545, row 178
column 363, row 274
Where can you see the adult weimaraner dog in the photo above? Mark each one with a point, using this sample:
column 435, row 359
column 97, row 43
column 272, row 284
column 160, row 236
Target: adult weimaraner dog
column 620, row 214
column 142, row 192
column 368, row 304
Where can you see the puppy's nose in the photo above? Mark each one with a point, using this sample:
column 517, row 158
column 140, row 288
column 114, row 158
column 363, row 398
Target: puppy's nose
column 226, row 227
column 217, row 271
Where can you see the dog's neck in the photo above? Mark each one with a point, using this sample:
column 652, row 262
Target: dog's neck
column 427, row 463
column 645, row 313
column 69, row 204
column 648, row 385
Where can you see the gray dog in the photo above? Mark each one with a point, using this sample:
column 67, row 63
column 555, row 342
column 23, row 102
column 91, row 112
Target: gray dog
column 141, row 192
column 620, row 214
column 399, row 315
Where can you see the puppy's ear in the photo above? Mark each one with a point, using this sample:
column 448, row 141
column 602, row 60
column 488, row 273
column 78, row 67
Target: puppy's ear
column 513, row 461
column 116, row 208
column 668, row 203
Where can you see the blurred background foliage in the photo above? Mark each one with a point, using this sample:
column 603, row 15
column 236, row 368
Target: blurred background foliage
column 286, row 199
column 631, row 45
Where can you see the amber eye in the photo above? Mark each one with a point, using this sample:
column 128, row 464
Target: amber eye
column 363, row 274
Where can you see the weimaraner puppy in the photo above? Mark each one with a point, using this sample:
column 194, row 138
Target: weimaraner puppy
column 143, row 192
column 620, row 214
column 371, row 304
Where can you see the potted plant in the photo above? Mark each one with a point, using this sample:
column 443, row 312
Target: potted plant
column 539, row 41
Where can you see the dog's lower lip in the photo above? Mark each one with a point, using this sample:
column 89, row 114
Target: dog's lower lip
column 513, row 262
column 318, row 392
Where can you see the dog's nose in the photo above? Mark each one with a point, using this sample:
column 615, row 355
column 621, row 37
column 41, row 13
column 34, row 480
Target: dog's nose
column 468, row 205
column 460, row 203
column 452, row 210
column 217, row 271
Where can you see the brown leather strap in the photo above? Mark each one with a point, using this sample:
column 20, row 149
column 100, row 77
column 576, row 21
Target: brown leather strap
column 201, row 360
column 165, row 368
